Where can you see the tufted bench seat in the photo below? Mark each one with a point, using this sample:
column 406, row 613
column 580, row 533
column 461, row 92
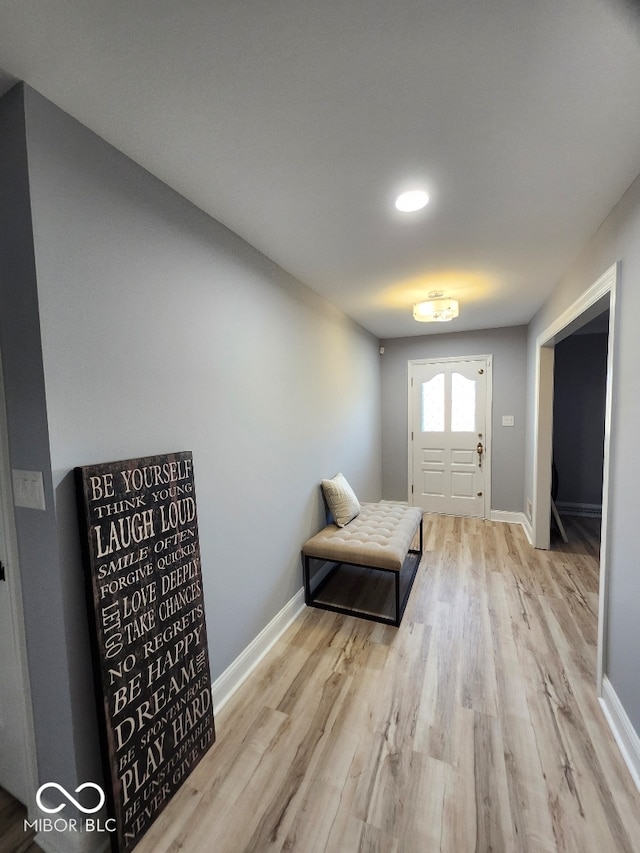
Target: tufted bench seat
column 366, row 563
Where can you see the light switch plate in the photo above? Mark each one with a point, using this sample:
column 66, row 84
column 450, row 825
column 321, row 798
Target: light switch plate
column 28, row 489
column 508, row 420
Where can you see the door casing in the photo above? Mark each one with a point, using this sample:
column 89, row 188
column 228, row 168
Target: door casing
column 589, row 305
column 24, row 782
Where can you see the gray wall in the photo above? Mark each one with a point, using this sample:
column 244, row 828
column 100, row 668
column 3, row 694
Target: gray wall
column 617, row 239
column 579, row 390
column 161, row 331
column 508, row 347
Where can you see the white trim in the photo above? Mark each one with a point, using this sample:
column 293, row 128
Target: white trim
column 542, row 448
column 580, row 509
column 605, row 547
column 488, row 359
column 508, row 517
column 451, row 359
column 237, row 672
column 14, row 593
column 528, row 530
column 579, row 313
column 620, row 725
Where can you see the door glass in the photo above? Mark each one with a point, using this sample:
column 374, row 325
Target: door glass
column 433, row 404
column 463, row 403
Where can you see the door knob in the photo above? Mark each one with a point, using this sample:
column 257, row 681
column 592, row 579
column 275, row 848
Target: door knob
column 479, row 451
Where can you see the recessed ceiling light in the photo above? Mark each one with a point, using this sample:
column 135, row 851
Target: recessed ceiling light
column 412, row 200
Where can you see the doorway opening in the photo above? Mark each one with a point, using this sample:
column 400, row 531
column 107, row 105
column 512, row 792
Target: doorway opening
column 579, row 397
column 594, row 302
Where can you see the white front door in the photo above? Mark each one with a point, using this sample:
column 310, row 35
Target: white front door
column 449, row 403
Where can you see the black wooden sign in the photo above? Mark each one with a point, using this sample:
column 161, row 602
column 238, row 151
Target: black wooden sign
column 142, row 558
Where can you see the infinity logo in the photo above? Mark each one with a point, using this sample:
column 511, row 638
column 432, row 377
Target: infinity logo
column 101, row 797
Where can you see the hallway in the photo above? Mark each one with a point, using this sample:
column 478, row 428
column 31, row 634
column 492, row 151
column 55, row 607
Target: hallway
column 473, row 727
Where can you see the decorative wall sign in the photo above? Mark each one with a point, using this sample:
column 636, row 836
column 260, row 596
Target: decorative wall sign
column 142, row 558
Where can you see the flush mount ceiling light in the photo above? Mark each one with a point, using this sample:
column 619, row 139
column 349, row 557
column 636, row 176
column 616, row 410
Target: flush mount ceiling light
column 412, row 200
column 436, row 309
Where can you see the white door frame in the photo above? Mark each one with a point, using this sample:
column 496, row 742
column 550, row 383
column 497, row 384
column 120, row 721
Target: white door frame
column 589, row 305
column 14, row 592
column 489, row 408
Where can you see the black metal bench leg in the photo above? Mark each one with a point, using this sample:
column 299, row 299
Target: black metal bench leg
column 307, row 581
column 398, row 613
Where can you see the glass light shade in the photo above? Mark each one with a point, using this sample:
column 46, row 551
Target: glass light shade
column 435, row 310
column 412, row 200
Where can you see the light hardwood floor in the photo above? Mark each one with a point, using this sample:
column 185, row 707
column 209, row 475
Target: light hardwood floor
column 473, row 727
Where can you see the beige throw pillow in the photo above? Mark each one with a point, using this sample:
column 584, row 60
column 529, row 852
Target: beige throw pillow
column 341, row 499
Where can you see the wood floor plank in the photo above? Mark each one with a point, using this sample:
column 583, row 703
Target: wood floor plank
column 439, row 689
column 477, row 660
column 424, row 805
column 528, row 800
column 511, row 697
column 473, row 727
column 459, row 822
column 494, row 827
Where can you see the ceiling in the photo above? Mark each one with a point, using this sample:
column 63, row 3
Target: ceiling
column 296, row 123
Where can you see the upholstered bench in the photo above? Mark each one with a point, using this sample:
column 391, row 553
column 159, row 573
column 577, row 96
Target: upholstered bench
column 366, row 567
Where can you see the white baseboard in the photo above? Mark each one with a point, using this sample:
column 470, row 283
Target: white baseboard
column 508, row 517
column 624, row 733
column 228, row 682
column 580, row 509
column 513, row 518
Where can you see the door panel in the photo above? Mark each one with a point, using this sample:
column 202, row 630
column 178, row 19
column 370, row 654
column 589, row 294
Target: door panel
column 464, row 456
column 448, row 411
column 462, row 484
column 433, row 483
